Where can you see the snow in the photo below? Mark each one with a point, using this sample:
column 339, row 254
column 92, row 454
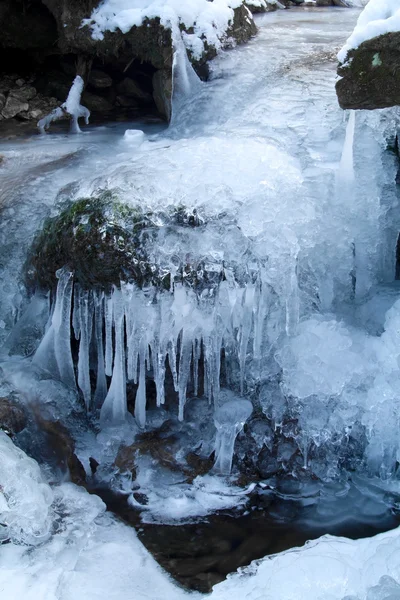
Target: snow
column 71, row 108
column 378, row 17
column 327, row 569
column 210, row 20
column 90, row 556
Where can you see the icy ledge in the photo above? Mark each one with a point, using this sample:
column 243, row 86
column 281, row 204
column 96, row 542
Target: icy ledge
column 208, row 20
column 91, row 556
column 378, row 17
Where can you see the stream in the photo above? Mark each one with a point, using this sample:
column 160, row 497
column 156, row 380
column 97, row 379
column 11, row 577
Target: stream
column 297, row 202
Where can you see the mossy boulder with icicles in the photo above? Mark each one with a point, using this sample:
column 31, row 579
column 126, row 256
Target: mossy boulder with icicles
column 104, row 241
column 100, row 239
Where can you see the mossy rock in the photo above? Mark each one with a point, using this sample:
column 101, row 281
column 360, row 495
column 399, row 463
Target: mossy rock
column 100, row 239
column 370, row 77
column 104, row 241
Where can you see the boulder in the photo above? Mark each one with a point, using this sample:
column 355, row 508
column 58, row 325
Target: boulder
column 128, row 87
column 62, row 448
column 97, row 238
column 96, row 103
column 370, row 77
column 12, row 107
column 100, row 80
column 23, row 93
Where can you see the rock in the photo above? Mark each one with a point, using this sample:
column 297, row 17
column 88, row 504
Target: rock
column 198, row 464
column 96, row 103
column 370, row 77
column 24, row 94
column 62, row 447
column 100, row 80
column 243, row 27
column 324, row 3
column 39, row 106
column 342, row 3
column 12, row 107
column 261, row 6
column 125, row 460
column 127, row 102
column 13, row 418
column 131, row 89
column 2, row 101
column 98, row 238
column 20, row 83
column 162, row 94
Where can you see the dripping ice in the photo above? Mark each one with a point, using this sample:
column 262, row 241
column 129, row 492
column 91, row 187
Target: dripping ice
column 137, row 334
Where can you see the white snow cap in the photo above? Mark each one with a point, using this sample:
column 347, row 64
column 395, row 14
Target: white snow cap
column 210, row 20
column 377, row 18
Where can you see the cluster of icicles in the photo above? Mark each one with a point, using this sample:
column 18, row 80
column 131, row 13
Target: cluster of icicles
column 130, row 332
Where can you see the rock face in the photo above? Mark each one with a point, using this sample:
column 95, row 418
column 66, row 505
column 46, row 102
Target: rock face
column 370, row 78
column 44, row 39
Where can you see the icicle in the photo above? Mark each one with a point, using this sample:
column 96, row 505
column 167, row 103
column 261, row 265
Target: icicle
column 184, row 370
column 85, row 318
column 108, row 309
column 292, row 299
column 101, row 382
column 245, row 330
column 346, row 167
column 114, row 409
column 140, row 401
column 54, row 352
column 229, row 420
column 185, row 81
column 196, row 359
column 76, row 323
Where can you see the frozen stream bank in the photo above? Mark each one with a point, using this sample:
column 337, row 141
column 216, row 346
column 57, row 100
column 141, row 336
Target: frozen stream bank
column 305, row 315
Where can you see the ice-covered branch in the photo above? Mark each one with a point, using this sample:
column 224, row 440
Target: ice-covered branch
column 71, row 109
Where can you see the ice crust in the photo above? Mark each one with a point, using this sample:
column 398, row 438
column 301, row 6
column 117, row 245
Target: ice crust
column 378, row 17
column 91, row 556
column 209, row 20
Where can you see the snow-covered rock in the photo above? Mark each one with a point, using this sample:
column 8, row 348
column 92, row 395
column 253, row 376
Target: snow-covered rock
column 370, row 59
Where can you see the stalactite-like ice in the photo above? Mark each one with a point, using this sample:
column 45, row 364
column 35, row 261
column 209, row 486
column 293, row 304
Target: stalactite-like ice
column 54, row 352
column 229, row 419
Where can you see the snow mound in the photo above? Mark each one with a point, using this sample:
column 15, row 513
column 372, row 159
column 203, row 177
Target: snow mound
column 378, row 17
column 209, row 20
column 25, row 498
column 327, row 569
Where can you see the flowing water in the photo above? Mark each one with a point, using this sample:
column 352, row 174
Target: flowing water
column 297, row 202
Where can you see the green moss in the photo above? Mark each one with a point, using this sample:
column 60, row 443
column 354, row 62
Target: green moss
column 102, row 240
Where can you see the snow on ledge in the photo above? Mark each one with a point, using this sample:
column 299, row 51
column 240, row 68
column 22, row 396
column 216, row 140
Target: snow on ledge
column 209, row 20
column 378, row 17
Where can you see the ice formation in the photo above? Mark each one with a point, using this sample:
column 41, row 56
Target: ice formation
column 25, row 497
column 378, row 17
column 152, row 331
column 88, row 542
column 209, row 20
column 71, row 109
column 230, row 417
